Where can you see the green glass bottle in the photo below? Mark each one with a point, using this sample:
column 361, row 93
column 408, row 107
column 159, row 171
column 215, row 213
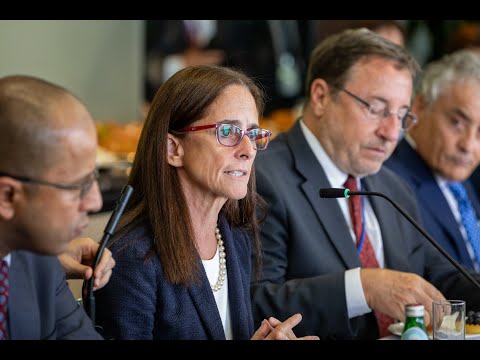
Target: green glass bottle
column 414, row 323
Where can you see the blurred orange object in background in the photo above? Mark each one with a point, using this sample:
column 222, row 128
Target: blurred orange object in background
column 279, row 121
column 119, row 138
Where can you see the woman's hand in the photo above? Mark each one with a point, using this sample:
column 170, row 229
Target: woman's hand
column 274, row 329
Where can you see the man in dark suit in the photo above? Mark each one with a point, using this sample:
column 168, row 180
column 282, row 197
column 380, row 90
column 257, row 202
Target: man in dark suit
column 443, row 148
column 320, row 258
column 47, row 188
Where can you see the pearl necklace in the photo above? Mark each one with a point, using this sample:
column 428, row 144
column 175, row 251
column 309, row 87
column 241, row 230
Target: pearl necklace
column 223, row 261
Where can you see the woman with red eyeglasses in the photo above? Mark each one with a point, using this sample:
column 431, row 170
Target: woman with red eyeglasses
column 184, row 245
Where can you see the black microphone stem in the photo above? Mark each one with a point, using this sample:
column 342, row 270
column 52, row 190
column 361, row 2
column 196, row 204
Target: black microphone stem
column 89, row 302
column 89, row 297
column 422, row 231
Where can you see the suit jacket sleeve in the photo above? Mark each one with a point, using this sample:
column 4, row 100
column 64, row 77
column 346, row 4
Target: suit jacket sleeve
column 71, row 320
column 41, row 305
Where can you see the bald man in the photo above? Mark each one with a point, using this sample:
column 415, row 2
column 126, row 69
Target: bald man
column 48, row 186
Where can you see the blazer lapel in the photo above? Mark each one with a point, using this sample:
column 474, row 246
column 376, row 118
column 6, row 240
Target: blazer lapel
column 204, row 299
column 239, row 311
column 206, row 306
column 430, row 196
column 328, row 212
column 473, row 197
column 23, row 312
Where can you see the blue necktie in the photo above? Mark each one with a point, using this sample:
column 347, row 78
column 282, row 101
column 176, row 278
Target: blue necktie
column 469, row 218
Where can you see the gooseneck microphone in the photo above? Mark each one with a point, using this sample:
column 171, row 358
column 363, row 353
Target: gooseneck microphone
column 87, row 291
column 346, row 193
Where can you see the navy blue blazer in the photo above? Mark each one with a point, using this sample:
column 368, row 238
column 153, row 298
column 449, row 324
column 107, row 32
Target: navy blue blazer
column 40, row 303
column 434, row 209
column 139, row 303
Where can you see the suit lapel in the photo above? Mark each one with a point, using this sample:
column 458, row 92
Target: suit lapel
column 23, row 312
column 328, row 212
column 206, row 307
column 239, row 312
column 430, row 196
column 204, row 299
column 473, row 197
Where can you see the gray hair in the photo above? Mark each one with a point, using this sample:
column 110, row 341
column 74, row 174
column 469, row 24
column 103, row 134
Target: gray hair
column 462, row 65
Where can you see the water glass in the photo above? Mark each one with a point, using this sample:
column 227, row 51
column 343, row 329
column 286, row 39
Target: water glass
column 448, row 321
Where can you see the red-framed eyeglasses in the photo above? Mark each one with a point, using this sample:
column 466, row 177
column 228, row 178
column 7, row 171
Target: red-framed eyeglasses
column 231, row 135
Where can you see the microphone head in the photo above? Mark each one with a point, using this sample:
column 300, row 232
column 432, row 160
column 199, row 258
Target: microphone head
column 330, row 193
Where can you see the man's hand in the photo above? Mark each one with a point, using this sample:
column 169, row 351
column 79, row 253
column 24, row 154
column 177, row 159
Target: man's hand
column 77, row 261
column 389, row 291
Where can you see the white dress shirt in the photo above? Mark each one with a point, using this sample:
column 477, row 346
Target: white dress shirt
column 7, row 258
column 221, row 296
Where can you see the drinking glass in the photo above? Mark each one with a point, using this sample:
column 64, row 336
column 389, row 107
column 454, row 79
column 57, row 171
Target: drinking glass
column 448, row 321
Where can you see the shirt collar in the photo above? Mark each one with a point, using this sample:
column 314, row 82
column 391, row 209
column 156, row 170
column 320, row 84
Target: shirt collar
column 408, row 138
column 7, row 258
column 335, row 176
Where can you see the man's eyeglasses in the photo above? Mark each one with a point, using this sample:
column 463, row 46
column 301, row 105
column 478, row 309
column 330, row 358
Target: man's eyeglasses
column 84, row 186
column 379, row 111
column 231, row 135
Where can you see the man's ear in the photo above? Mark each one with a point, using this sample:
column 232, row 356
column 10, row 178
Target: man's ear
column 419, row 105
column 319, row 96
column 175, row 151
column 8, row 188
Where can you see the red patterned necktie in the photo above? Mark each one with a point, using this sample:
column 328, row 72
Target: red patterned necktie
column 367, row 254
column 3, row 299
